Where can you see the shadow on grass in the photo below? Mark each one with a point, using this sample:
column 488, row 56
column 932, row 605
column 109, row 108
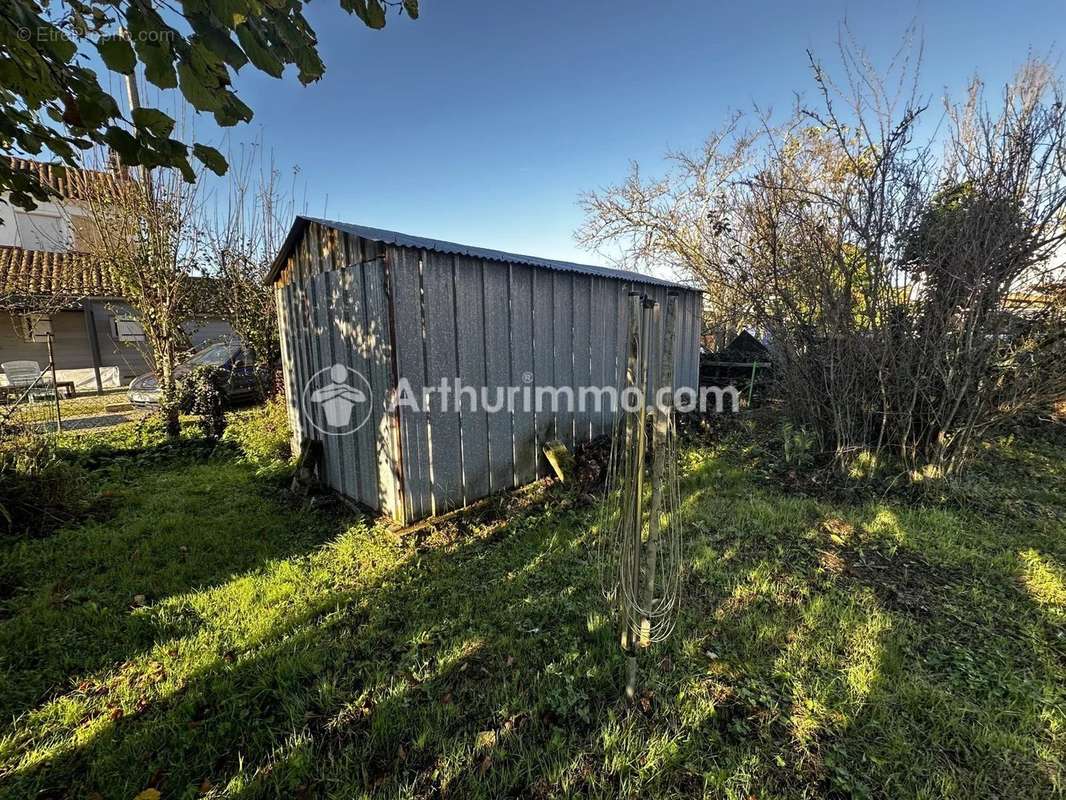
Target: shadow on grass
column 376, row 685
column 478, row 663
column 86, row 597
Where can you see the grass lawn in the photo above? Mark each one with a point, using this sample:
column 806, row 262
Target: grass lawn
column 203, row 635
column 85, row 411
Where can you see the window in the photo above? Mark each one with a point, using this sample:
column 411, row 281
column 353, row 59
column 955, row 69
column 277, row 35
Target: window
column 36, row 327
column 214, row 356
column 42, row 231
column 128, row 329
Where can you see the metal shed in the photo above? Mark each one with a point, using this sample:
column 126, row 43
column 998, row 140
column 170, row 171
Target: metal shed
column 394, row 307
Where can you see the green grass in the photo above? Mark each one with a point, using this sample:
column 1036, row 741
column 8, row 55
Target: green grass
column 86, row 405
column 206, row 636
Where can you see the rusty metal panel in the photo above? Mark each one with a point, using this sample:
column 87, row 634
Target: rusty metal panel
column 690, row 338
column 563, row 290
column 323, row 358
column 308, row 321
column 284, row 305
column 351, row 323
column 427, row 316
column 301, row 353
column 655, row 351
column 470, row 344
column 419, row 243
column 384, row 425
column 694, row 335
column 498, row 375
column 302, row 320
column 543, row 361
column 582, row 353
column 621, row 339
column 345, row 445
column 600, row 346
column 523, row 422
column 687, row 339
column 613, row 317
column 405, row 282
column 446, row 465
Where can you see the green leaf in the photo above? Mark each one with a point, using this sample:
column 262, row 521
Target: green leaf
column 369, row 11
column 92, row 107
column 154, row 121
column 151, row 39
column 262, row 57
column 159, row 67
column 210, row 158
column 411, row 7
column 199, row 96
column 186, row 170
column 117, row 54
column 122, row 143
column 217, row 39
column 375, row 14
column 233, row 111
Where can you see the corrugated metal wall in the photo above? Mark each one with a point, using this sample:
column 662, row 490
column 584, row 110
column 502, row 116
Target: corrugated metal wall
column 333, row 314
column 425, row 316
column 507, row 325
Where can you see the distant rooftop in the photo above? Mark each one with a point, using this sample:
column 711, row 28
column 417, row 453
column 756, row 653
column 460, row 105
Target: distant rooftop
column 40, row 272
column 72, row 183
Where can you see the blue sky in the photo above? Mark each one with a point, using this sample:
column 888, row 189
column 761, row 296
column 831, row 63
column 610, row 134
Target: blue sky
column 482, row 122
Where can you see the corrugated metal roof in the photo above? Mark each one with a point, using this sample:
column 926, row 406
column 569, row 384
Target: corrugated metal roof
column 437, row 245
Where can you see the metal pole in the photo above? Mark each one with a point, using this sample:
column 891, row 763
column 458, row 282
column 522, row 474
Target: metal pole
column 134, row 96
column 632, row 380
column 638, row 494
column 658, row 466
column 55, row 383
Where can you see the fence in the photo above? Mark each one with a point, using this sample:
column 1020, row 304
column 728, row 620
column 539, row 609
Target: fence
column 39, row 403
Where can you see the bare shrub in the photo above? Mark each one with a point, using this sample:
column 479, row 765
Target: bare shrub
column 244, row 232
column 146, row 238
column 907, row 274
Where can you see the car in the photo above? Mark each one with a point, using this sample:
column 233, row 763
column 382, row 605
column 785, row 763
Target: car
column 242, row 380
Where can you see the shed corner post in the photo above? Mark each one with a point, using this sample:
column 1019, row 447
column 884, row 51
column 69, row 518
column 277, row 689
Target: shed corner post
column 401, row 508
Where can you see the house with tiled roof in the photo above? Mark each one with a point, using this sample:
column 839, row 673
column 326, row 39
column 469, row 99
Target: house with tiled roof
column 49, row 284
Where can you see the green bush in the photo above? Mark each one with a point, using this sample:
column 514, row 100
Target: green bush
column 200, row 393
column 262, row 433
column 38, row 491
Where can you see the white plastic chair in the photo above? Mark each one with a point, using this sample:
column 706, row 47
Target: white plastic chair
column 23, row 374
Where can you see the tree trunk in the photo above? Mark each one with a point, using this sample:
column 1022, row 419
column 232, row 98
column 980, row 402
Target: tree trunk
column 169, row 400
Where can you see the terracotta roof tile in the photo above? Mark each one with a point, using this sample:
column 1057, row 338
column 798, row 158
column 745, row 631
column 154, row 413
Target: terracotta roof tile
column 68, row 182
column 38, row 272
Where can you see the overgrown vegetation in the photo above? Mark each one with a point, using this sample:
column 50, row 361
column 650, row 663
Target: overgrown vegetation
column 206, row 635
column 244, row 235
column 38, row 490
column 261, row 434
column 908, row 276
column 200, row 392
